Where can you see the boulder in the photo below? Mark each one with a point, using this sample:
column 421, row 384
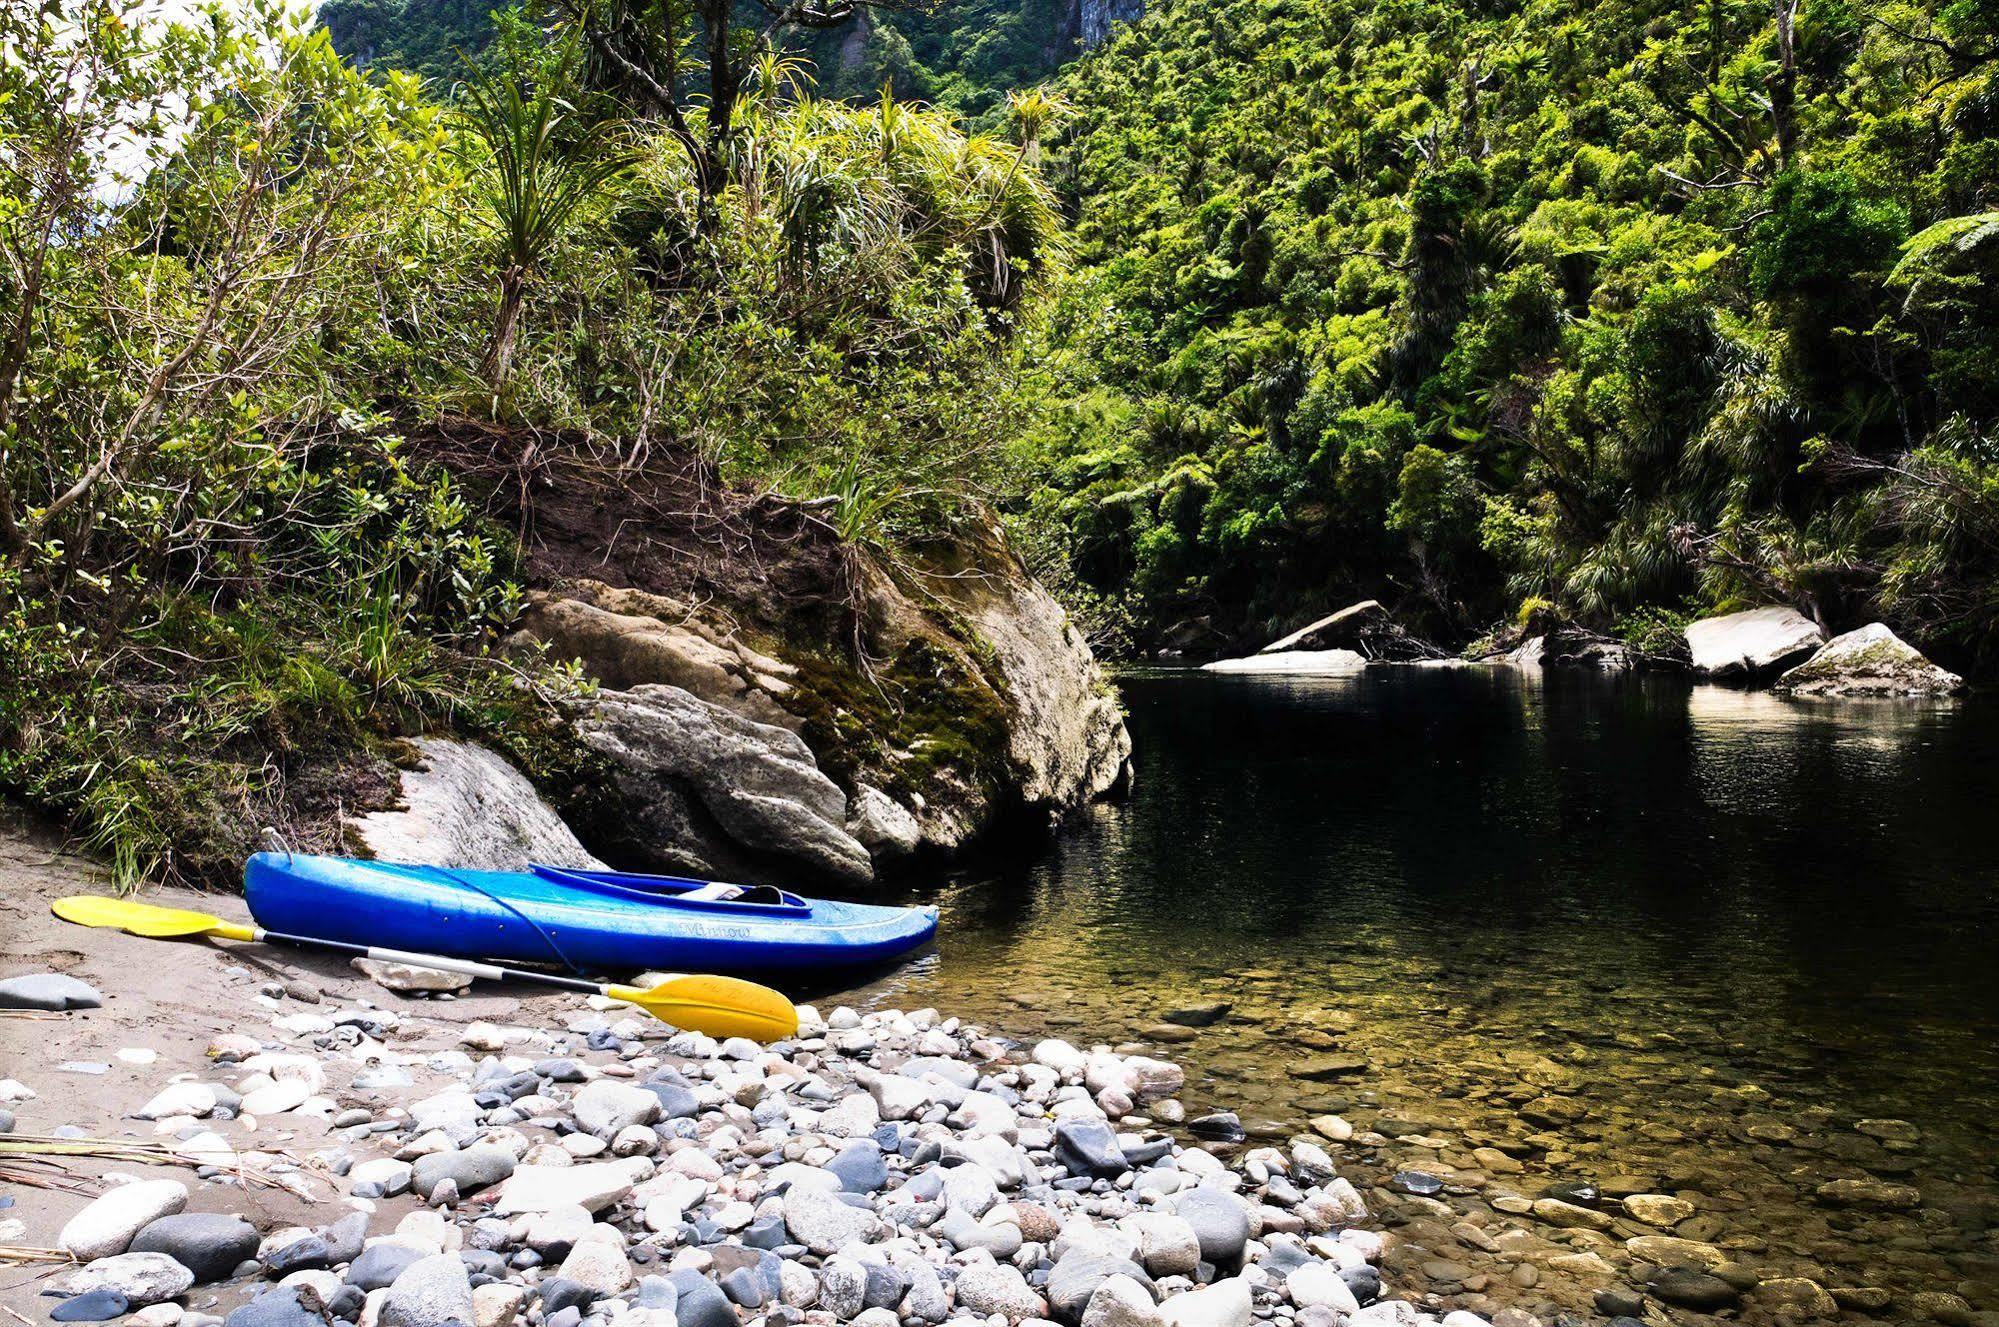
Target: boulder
column 1751, row 645
column 686, row 765
column 464, row 806
column 884, row 826
column 628, row 638
column 1301, row 663
column 1871, row 661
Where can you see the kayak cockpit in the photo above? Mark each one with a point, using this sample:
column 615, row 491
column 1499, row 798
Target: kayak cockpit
column 681, row 892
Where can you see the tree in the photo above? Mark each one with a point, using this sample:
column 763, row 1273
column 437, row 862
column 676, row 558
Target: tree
column 539, row 180
column 686, row 63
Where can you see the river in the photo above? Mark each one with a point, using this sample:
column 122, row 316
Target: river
column 1619, row 931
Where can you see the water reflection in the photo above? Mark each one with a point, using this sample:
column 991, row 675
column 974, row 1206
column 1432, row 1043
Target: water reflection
column 1454, row 873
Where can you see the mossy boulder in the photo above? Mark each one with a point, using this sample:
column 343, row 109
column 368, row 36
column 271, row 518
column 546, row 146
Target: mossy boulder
column 1872, row 661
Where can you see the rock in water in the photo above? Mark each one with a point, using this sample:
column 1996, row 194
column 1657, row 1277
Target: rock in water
column 107, row 1226
column 432, row 1292
column 1304, row 663
column 1751, row 645
column 209, row 1244
column 1872, row 661
column 48, row 990
column 464, row 806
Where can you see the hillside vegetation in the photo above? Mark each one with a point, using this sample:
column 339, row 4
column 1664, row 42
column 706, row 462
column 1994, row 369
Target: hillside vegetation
column 245, row 281
column 1635, row 310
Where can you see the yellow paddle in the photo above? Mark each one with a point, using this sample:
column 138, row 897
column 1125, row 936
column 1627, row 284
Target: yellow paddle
column 718, row 1006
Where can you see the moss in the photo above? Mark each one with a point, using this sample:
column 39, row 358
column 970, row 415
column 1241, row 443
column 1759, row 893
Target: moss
column 905, row 725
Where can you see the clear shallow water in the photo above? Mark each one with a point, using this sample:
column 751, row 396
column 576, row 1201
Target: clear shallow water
column 1721, row 928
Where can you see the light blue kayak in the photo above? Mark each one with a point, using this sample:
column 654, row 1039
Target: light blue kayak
column 584, row 921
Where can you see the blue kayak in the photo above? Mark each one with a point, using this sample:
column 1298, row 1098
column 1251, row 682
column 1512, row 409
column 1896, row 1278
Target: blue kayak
column 584, row 921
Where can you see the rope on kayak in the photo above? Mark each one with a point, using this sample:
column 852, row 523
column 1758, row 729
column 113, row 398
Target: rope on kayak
column 491, row 897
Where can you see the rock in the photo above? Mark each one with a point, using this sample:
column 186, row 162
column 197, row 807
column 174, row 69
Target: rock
column 628, row 638
column 91, row 1305
column 1307, row 663
column 1219, row 1222
column 48, row 990
column 843, row 1286
column 1328, row 1068
column 544, row 1188
column 822, row 1223
column 1872, row 661
column 471, row 1169
column 1121, row 1302
column 860, row 1166
column 1868, row 1193
column 383, row 1177
column 758, row 783
column 497, row 1304
column 1797, row 1296
column 380, row 1264
column 1059, row 1055
column 1223, row 1304
column 1320, row 1284
column 607, row 1107
column 989, row 1288
column 465, row 806
column 208, row 1244
column 883, row 825
column 1089, row 1147
column 1205, row 1014
column 598, row 1265
column 1692, row 1288
column 700, row 1303
column 1223, row 1126
column 1751, row 645
column 1167, row 1244
column 1657, row 1209
column 1334, row 1206
column 433, row 1291
column 1570, row 1216
column 1667, row 1251
column 275, row 1308
column 1078, row 1275
column 107, row 1225
column 406, row 978
column 142, row 1278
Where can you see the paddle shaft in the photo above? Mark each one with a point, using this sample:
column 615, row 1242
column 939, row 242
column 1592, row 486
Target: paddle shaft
column 487, row 971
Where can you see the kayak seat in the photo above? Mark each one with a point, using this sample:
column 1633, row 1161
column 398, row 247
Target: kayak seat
column 678, row 890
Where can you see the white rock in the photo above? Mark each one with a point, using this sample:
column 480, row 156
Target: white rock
column 1872, row 661
column 1060, row 1056
column 543, row 1188
column 108, row 1224
column 1223, row 1304
column 1309, row 663
column 431, row 1292
column 184, row 1098
column 275, row 1099
column 599, row 1264
column 1321, row 1284
column 497, row 1303
column 143, row 1278
column 1751, row 644
column 466, row 807
column 387, row 1174
column 1121, row 1302
column 993, row 1288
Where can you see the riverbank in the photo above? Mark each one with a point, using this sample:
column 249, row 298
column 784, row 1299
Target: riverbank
column 500, row 1158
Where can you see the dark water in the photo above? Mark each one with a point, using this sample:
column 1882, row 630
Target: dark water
column 1728, row 927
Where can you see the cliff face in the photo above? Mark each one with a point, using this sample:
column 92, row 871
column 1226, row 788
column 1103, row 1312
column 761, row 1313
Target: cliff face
column 1094, row 18
column 774, row 703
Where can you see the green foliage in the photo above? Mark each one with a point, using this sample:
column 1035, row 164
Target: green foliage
column 228, row 582
column 1459, row 305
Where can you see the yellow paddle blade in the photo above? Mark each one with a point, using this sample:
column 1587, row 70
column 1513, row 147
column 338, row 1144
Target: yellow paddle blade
column 147, row 919
column 718, row 1006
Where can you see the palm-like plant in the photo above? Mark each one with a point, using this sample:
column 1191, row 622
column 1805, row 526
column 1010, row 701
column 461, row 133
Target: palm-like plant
column 1035, row 112
column 539, row 179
